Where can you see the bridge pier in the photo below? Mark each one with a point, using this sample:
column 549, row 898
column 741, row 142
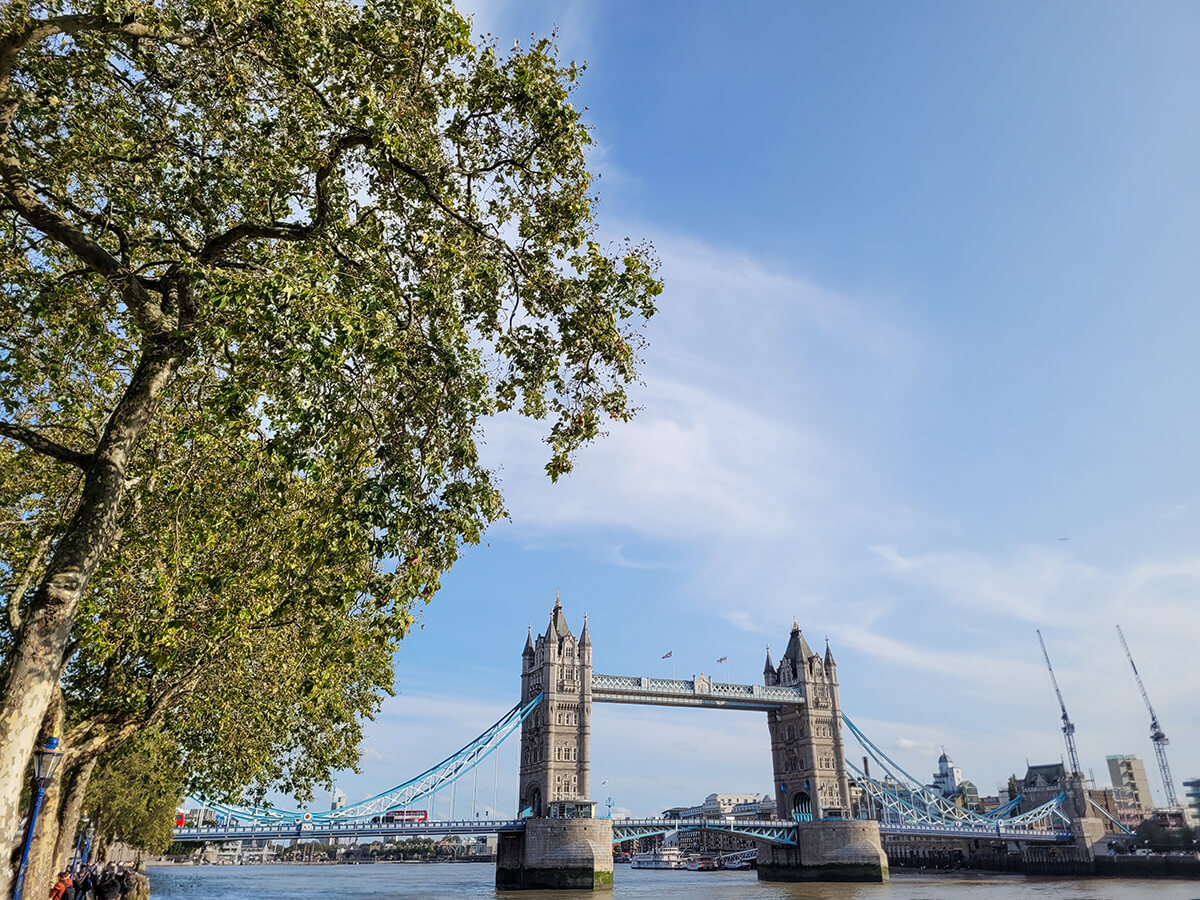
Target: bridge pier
column 556, row 854
column 826, row 850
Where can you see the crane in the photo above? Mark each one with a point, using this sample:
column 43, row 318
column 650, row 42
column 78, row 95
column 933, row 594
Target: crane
column 1068, row 728
column 1157, row 737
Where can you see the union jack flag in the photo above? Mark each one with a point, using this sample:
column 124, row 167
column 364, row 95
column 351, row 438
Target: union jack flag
column 722, row 659
column 667, row 655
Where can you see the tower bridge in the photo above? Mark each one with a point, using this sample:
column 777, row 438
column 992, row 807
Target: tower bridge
column 556, row 841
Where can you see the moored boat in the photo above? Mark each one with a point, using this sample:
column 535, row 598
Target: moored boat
column 659, row 858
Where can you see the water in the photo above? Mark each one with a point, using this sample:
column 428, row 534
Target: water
column 441, row 881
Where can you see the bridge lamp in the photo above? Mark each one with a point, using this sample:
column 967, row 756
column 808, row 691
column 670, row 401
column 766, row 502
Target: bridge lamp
column 46, row 760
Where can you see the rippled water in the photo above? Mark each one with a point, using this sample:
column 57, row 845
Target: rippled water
column 434, row 881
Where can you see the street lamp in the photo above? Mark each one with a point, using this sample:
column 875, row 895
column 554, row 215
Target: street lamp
column 75, row 857
column 87, row 843
column 46, row 762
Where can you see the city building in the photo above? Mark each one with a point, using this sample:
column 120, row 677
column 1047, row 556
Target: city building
column 1128, row 774
column 948, row 776
column 718, row 806
column 949, row 782
column 763, row 808
column 1191, row 799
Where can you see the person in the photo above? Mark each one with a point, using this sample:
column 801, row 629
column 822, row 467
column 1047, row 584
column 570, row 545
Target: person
column 63, row 889
column 84, row 879
column 127, row 882
column 107, row 885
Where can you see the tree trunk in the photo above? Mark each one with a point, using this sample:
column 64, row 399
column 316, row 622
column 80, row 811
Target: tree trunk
column 40, row 871
column 37, row 658
column 69, row 812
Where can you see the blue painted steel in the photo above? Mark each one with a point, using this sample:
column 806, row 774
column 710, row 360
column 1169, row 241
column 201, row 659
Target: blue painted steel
column 37, row 806
column 447, row 771
column 772, row 831
column 348, row 830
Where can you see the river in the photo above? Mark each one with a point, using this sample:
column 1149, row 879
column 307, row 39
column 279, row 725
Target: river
column 441, row 881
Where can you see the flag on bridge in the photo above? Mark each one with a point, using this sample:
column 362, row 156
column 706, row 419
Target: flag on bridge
column 722, row 659
column 667, row 655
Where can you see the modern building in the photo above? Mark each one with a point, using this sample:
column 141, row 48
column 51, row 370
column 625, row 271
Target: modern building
column 1128, row 774
column 1191, row 799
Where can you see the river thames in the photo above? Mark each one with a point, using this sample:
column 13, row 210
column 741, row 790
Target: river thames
column 433, row 881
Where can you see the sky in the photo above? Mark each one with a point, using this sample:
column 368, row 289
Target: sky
column 923, row 379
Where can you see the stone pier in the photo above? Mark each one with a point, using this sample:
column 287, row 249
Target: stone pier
column 828, row 850
column 557, row 854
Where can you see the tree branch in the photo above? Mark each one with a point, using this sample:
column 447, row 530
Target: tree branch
column 44, row 445
column 22, row 194
column 288, row 231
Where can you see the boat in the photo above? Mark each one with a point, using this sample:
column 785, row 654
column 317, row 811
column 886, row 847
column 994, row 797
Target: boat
column 659, row 858
column 702, row 863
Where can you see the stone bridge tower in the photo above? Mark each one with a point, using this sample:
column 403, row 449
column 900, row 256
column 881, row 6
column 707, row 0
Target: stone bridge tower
column 806, row 741
column 555, row 738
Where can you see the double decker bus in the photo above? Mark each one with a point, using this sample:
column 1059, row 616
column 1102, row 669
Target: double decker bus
column 397, row 816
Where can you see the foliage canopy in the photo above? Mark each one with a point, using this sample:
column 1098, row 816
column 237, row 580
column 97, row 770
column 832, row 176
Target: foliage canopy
column 268, row 267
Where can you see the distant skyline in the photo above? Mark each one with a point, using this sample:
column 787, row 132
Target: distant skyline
column 923, row 378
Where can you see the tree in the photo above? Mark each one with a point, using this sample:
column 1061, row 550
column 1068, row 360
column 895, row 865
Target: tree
column 359, row 233
column 134, row 793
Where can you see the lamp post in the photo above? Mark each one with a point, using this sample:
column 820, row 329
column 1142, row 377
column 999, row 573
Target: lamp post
column 75, row 857
column 87, row 843
column 46, row 762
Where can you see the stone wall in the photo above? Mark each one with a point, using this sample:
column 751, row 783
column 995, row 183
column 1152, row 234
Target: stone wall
column 828, row 850
column 556, row 854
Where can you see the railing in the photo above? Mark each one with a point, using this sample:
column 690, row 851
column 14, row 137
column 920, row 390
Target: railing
column 699, row 691
column 217, row 833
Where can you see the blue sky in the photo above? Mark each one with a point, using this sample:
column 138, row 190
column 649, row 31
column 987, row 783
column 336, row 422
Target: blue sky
column 930, row 307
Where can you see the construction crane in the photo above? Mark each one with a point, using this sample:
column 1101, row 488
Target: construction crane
column 1068, row 727
column 1156, row 733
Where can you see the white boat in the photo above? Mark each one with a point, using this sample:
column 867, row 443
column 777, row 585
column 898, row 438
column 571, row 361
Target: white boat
column 659, row 858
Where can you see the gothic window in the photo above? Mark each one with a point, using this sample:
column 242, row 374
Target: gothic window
column 791, row 732
column 556, row 754
column 574, row 751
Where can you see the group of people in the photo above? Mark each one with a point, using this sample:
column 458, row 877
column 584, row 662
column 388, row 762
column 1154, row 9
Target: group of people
column 110, row 882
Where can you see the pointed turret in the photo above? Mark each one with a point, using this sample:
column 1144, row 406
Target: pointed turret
column 797, row 650
column 528, row 651
column 770, row 676
column 829, row 663
column 585, row 636
column 558, row 627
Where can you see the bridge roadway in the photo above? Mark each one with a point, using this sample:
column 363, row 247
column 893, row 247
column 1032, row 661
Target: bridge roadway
column 311, row 830
column 775, row 831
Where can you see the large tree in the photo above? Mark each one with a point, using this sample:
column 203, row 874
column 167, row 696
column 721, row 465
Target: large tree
column 358, row 231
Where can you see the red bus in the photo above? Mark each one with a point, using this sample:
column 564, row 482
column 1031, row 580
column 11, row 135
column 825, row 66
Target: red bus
column 397, row 816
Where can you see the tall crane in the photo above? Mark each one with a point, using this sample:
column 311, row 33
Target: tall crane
column 1156, row 733
column 1068, row 728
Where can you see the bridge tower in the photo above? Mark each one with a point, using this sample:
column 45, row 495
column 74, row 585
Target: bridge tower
column 806, row 741
column 563, row 845
column 555, row 739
